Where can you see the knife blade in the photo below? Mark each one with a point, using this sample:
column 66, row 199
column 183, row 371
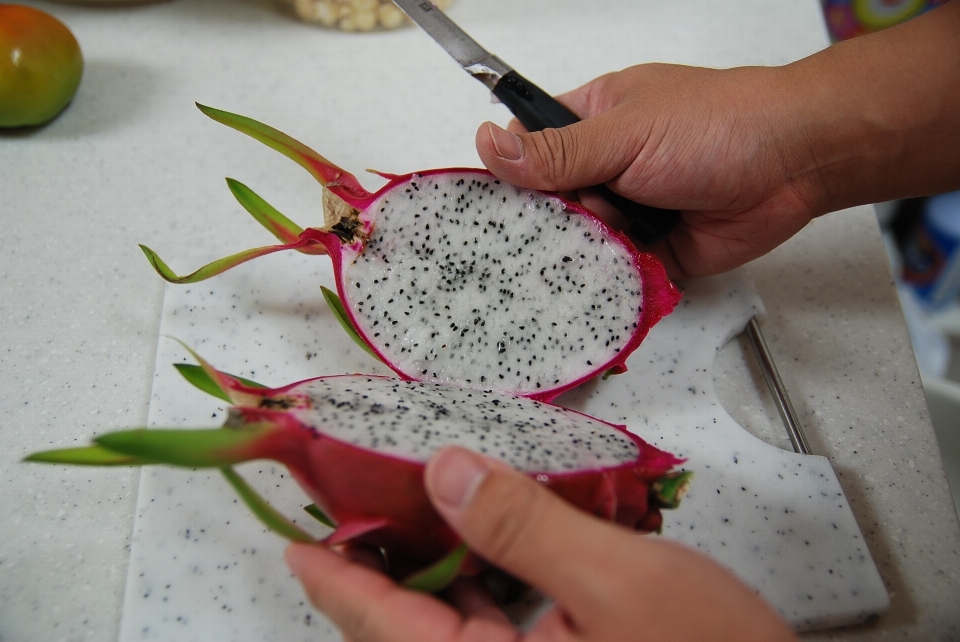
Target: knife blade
column 533, row 107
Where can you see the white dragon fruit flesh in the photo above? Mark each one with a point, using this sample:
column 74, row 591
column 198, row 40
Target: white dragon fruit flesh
column 357, row 445
column 451, row 276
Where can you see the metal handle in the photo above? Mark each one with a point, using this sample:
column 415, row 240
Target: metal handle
column 772, row 376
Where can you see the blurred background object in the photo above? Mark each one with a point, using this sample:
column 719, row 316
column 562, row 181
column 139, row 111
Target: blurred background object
column 931, row 252
column 922, row 236
column 351, row 15
column 107, row 3
column 851, row 18
column 40, row 66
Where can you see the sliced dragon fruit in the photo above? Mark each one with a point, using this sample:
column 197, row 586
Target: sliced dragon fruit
column 357, row 444
column 451, row 276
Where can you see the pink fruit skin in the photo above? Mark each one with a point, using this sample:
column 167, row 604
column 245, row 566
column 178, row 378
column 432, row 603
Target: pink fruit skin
column 380, row 499
column 660, row 295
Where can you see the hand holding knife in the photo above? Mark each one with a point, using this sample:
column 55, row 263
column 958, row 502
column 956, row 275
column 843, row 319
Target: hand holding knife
column 532, row 106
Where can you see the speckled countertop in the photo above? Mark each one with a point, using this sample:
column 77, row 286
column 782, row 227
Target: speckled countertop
column 133, row 161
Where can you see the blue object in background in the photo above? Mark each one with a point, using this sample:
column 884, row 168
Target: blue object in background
column 931, row 256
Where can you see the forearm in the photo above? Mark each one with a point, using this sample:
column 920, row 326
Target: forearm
column 877, row 117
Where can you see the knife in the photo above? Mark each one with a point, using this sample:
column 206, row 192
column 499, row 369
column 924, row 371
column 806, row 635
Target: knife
column 532, row 106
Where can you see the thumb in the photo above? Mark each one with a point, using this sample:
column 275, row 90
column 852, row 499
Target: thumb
column 587, row 153
column 517, row 524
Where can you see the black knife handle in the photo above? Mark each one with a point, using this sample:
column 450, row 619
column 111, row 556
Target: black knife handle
column 537, row 110
column 532, row 106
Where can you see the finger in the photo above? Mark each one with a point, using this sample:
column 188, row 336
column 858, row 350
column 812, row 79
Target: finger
column 586, row 101
column 366, row 605
column 553, row 626
column 554, row 165
column 369, row 607
column 516, row 127
column 584, row 154
column 590, row 199
column 503, row 587
column 577, row 101
column 594, row 97
column 363, row 555
column 604, row 210
column 523, row 528
column 471, row 597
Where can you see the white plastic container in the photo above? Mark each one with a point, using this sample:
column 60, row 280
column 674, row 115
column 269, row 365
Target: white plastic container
column 943, row 400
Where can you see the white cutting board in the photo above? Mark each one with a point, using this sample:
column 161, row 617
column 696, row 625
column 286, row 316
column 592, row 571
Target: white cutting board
column 202, row 568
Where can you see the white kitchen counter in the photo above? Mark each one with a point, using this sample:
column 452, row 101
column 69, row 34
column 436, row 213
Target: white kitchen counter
column 132, row 161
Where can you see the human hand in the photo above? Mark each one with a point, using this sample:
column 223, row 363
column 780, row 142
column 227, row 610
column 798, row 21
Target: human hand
column 749, row 155
column 609, row 583
column 714, row 144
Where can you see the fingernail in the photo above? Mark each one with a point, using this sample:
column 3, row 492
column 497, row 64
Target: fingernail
column 454, row 476
column 509, row 146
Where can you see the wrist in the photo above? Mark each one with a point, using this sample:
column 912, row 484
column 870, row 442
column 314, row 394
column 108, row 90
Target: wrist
column 875, row 118
column 841, row 142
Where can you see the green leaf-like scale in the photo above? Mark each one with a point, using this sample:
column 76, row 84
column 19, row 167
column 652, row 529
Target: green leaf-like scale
column 314, row 511
column 321, row 169
column 438, row 575
column 211, row 269
column 86, row 456
column 205, row 448
column 198, row 378
column 268, row 216
column 270, row 516
column 336, row 306
column 670, row 489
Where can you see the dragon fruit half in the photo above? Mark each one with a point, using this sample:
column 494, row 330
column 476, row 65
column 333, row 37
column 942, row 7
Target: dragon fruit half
column 451, row 276
column 357, row 444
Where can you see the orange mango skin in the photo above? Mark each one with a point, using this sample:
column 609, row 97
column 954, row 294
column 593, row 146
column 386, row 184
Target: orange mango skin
column 40, row 66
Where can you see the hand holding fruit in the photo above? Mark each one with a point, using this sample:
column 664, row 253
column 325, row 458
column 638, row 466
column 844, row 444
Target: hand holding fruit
column 750, row 155
column 699, row 140
column 609, row 582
